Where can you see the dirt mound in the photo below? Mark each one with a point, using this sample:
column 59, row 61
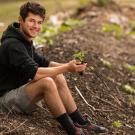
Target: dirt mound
column 101, row 86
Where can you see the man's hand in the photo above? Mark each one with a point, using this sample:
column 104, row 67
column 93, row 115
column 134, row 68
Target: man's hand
column 75, row 66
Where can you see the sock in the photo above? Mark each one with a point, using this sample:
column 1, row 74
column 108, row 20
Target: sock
column 77, row 117
column 67, row 123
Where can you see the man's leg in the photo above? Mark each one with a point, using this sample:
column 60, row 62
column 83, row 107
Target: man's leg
column 46, row 88
column 71, row 108
column 66, row 97
column 68, row 100
column 65, row 93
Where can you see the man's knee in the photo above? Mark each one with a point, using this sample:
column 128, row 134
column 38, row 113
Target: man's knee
column 47, row 82
column 60, row 80
column 36, row 90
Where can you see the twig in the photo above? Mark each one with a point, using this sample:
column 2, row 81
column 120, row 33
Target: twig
column 116, row 100
column 40, row 105
column 93, row 108
column 103, row 110
column 109, row 103
column 129, row 126
column 10, row 131
column 84, row 98
column 10, row 111
column 99, row 76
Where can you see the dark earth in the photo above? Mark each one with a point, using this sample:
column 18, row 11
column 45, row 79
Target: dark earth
column 108, row 103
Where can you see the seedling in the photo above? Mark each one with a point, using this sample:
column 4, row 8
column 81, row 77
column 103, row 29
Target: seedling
column 84, row 2
column 117, row 124
column 128, row 89
column 114, row 29
column 80, row 56
column 70, row 23
column 103, row 2
column 106, row 63
column 132, row 25
column 129, row 67
column 131, row 99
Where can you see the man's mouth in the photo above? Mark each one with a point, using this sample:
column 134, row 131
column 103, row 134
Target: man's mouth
column 34, row 31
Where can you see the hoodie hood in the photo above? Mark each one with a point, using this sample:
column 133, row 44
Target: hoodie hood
column 13, row 32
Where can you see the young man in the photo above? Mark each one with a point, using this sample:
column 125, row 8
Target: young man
column 26, row 77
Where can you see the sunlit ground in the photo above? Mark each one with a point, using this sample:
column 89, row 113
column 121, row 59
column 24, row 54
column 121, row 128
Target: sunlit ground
column 129, row 2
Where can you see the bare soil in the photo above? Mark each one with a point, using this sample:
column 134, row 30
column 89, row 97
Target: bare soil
column 109, row 103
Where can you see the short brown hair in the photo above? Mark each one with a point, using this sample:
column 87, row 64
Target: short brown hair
column 32, row 7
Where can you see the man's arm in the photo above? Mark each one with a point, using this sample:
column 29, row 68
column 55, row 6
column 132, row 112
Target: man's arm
column 55, row 64
column 71, row 66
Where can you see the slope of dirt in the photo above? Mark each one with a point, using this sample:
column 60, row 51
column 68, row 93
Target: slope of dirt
column 108, row 102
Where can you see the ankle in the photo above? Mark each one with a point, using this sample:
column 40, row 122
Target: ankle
column 67, row 123
column 77, row 117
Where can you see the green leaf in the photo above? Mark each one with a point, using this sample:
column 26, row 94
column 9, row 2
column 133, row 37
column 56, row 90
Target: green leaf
column 50, row 32
column 73, row 22
column 132, row 28
column 128, row 89
column 69, row 24
column 132, row 25
column 117, row 124
column 131, row 99
column 107, row 28
column 103, row 2
column 113, row 29
column 64, row 28
column 39, row 40
column 50, row 41
column 110, row 79
column 84, row 2
column 129, row 67
column 80, row 56
column 106, row 63
column 131, row 33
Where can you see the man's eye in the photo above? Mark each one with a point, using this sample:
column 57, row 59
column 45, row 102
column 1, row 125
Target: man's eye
column 39, row 22
column 31, row 20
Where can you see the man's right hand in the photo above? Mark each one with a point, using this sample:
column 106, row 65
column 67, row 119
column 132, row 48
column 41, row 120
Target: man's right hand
column 75, row 66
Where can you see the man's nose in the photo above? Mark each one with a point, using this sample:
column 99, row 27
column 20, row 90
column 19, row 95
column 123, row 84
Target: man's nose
column 36, row 25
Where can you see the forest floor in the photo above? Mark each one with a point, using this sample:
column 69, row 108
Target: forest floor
column 101, row 87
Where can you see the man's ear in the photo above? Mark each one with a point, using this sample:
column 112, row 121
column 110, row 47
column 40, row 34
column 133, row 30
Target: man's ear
column 20, row 19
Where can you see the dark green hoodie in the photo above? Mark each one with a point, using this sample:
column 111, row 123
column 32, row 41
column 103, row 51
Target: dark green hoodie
column 18, row 59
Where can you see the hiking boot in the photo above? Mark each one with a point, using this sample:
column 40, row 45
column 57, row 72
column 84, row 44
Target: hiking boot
column 91, row 127
column 79, row 131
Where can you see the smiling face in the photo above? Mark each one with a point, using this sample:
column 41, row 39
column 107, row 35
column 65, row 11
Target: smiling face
column 31, row 26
